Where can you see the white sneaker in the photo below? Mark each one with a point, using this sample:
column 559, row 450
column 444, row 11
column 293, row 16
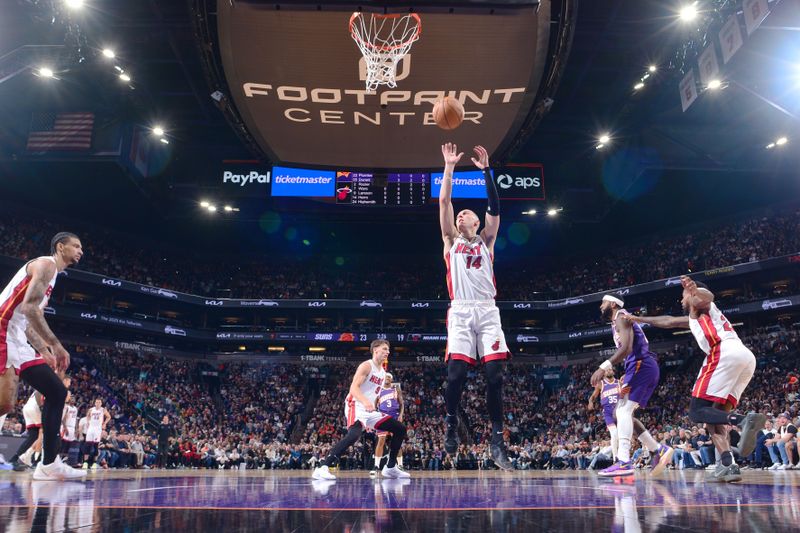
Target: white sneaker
column 57, row 471
column 394, row 473
column 776, row 466
column 373, row 473
column 782, row 467
column 712, row 466
column 321, row 472
column 26, row 457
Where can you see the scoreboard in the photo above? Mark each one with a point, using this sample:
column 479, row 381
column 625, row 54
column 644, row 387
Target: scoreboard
column 369, row 189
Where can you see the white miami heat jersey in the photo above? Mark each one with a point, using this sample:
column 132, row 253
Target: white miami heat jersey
column 372, row 385
column 470, row 273
column 711, row 329
column 95, row 420
column 70, row 421
column 12, row 322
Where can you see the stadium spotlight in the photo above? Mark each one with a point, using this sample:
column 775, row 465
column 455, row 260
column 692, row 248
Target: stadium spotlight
column 781, row 141
column 124, row 77
column 531, row 212
column 638, row 86
column 74, row 4
column 552, row 212
column 212, row 208
column 228, row 208
column 770, row 146
column 204, row 203
column 652, row 68
column 714, row 84
column 109, row 53
column 158, row 130
column 45, row 72
column 688, row 13
column 164, row 140
column 604, row 138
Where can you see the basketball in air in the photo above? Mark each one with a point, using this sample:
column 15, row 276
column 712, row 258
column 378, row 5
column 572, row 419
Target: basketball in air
column 448, row 113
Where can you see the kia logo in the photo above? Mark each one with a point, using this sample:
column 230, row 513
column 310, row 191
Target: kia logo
column 522, row 306
column 223, row 335
column 623, row 292
column 420, row 304
column 317, row 304
column 214, row 302
column 89, row 316
column 112, row 282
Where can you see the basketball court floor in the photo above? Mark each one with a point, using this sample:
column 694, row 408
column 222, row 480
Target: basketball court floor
column 194, row 500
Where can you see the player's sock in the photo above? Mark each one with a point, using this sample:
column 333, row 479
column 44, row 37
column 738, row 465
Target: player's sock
column 400, row 461
column 2, row 421
column 647, row 439
column 727, row 458
column 614, row 441
column 378, row 462
column 494, row 398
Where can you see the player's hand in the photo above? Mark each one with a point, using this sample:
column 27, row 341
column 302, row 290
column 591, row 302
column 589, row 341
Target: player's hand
column 62, row 357
column 629, row 317
column 451, row 154
column 597, row 377
column 49, row 358
column 483, row 157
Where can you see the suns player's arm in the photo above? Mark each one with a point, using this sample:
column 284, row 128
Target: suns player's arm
column 593, row 397
column 106, row 417
column 663, row 321
column 699, row 298
column 447, row 220
column 625, row 332
column 362, row 373
column 491, row 225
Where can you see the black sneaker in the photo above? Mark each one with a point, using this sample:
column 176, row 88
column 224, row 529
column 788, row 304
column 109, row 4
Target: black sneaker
column 498, row 452
column 725, row 474
column 751, row 425
column 451, row 440
column 19, row 466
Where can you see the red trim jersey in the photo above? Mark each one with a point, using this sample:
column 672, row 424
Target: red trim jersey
column 711, row 329
column 470, row 272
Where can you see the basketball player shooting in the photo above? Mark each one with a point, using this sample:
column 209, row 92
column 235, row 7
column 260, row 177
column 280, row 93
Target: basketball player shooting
column 361, row 414
column 31, row 349
column 726, row 372
column 474, row 331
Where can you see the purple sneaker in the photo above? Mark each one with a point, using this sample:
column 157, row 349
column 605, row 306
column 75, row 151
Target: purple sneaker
column 617, row 469
column 660, row 459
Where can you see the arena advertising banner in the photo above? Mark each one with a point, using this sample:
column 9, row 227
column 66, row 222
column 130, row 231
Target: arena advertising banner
column 522, row 181
column 296, row 78
column 303, row 182
column 244, row 178
column 466, row 184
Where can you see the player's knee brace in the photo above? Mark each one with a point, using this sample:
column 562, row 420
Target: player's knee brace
column 395, row 427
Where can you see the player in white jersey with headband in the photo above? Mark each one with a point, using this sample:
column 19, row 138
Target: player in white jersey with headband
column 361, row 413
column 474, row 332
column 29, row 349
column 727, row 369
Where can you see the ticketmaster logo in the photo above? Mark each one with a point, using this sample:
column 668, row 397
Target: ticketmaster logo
column 303, row 180
column 461, row 181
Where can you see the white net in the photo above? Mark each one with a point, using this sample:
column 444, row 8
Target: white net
column 384, row 40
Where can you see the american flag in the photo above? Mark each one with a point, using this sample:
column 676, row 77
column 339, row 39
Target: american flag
column 56, row 132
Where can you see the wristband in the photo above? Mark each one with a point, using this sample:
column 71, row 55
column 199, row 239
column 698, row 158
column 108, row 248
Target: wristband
column 606, row 365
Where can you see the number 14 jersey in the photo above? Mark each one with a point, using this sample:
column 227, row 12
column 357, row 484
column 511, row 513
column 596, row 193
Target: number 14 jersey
column 470, row 273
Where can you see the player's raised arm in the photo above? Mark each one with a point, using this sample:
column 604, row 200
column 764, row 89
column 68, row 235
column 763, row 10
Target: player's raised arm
column 492, row 220
column 446, row 216
column 701, row 297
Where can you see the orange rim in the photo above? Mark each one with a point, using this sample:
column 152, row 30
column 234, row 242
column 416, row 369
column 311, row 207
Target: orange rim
column 385, row 48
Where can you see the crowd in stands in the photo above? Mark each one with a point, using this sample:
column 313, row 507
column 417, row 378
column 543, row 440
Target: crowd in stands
column 189, row 414
column 714, row 246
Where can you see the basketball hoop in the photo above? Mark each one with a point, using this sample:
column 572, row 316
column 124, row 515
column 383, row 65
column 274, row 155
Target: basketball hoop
column 384, row 40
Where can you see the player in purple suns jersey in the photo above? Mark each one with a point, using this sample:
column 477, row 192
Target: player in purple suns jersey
column 637, row 386
column 388, row 402
column 608, row 392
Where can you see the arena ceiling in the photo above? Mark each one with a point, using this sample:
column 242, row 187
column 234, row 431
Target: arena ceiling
column 664, row 167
